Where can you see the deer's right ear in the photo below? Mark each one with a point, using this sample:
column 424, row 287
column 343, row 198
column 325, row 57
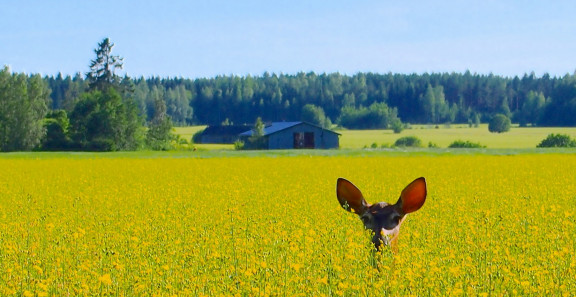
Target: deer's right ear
column 413, row 196
column 350, row 197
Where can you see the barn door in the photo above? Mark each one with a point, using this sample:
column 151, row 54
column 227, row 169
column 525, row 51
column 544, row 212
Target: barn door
column 298, row 140
column 309, row 140
column 304, row 140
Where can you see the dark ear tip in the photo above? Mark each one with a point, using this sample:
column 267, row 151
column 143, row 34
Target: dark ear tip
column 421, row 179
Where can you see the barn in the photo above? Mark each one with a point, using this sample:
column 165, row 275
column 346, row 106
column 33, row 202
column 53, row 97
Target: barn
column 221, row 134
column 295, row 135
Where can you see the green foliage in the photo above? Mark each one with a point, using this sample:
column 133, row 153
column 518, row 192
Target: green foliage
column 465, row 144
column 101, row 121
column 258, row 130
column 560, row 108
column 499, row 124
column 431, row 98
column 101, row 75
column 434, row 107
column 159, row 134
column 397, row 126
column 56, row 124
column 557, row 140
column 408, row 141
column 66, row 90
column 257, row 141
column 474, row 120
column 315, row 115
column 239, row 145
column 23, row 106
column 178, row 104
column 377, row 116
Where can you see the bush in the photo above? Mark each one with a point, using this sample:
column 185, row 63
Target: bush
column 408, row 141
column 397, row 126
column 557, row 140
column 238, row 145
column 465, row 144
column 499, row 124
column 56, row 138
column 376, row 116
column 101, row 145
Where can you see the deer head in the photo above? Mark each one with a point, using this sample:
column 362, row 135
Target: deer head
column 382, row 218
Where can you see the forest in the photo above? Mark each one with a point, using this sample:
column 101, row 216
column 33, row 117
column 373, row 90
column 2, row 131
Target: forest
column 358, row 101
column 102, row 111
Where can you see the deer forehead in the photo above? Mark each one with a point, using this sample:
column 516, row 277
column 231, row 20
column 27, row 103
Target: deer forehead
column 379, row 207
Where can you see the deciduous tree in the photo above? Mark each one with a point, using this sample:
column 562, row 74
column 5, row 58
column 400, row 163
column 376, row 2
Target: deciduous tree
column 159, row 133
column 23, row 105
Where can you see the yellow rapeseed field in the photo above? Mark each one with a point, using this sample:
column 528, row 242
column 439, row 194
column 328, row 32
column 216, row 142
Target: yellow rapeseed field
column 272, row 226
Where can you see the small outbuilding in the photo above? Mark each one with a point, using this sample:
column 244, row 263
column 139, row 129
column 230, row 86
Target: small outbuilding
column 222, row 134
column 295, row 135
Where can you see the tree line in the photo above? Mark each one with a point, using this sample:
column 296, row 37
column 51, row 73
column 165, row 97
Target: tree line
column 99, row 113
column 375, row 99
column 103, row 111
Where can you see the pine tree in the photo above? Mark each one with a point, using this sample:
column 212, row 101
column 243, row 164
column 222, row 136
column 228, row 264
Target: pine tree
column 101, row 75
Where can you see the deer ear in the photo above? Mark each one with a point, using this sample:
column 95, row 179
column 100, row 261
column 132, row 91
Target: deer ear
column 350, row 197
column 413, row 196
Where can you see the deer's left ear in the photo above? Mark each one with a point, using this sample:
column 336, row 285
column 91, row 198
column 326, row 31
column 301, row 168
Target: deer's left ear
column 412, row 197
column 350, row 197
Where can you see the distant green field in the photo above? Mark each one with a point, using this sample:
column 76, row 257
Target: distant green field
column 442, row 136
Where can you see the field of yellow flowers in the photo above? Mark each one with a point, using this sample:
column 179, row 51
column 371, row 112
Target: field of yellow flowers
column 272, row 226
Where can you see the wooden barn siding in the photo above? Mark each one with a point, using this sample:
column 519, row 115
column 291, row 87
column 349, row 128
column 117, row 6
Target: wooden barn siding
column 285, row 139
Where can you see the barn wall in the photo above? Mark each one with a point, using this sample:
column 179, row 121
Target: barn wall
column 284, row 139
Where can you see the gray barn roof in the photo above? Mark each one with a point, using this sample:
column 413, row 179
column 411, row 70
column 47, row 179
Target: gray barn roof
column 279, row 126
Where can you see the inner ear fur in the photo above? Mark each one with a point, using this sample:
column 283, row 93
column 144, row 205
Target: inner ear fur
column 350, row 197
column 412, row 197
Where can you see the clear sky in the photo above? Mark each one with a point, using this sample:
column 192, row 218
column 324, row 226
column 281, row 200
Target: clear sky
column 205, row 38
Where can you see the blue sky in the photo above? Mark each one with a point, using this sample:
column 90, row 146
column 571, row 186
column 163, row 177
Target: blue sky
column 222, row 37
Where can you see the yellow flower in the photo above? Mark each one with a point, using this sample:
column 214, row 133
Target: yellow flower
column 38, row 269
column 105, row 279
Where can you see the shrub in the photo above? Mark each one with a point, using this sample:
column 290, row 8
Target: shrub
column 408, row 141
column 101, row 145
column 56, row 124
column 465, row 144
column 557, row 140
column 239, row 145
column 499, row 124
column 397, row 126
